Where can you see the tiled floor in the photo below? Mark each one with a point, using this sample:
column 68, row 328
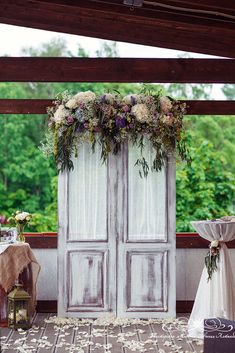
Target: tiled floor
column 100, row 337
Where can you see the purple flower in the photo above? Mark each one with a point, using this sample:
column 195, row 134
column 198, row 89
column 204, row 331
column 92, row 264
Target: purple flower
column 70, row 119
column 86, row 125
column 3, row 219
column 131, row 126
column 103, row 98
column 133, row 100
column 120, row 122
column 78, row 129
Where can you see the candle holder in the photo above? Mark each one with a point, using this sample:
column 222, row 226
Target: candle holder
column 18, row 308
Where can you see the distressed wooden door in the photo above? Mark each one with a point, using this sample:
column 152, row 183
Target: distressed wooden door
column 125, row 264
column 146, row 247
column 87, row 238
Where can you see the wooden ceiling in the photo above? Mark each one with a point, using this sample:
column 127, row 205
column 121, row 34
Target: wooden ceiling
column 198, row 26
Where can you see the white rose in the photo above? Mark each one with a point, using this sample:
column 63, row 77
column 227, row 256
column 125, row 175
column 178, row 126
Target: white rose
column 19, row 217
column 165, row 104
column 60, row 114
column 215, row 244
column 72, row 104
column 22, row 216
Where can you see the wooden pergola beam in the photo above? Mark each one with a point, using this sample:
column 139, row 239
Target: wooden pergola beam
column 149, row 25
column 38, row 106
column 37, row 69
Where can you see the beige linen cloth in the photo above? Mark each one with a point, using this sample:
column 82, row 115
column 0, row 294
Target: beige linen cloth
column 12, row 262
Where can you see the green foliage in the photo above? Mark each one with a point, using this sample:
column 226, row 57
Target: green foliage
column 229, row 91
column 28, row 181
column 205, row 189
column 46, row 219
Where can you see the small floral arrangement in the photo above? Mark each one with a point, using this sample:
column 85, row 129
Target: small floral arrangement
column 212, row 258
column 3, row 219
column 111, row 120
column 20, row 219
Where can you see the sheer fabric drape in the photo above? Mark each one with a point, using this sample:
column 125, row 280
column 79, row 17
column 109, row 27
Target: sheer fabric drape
column 146, row 198
column 216, row 297
column 88, row 196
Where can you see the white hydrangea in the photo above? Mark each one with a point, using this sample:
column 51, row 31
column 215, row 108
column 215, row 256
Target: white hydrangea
column 84, row 97
column 72, row 104
column 165, row 105
column 60, row 114
column 141, row 113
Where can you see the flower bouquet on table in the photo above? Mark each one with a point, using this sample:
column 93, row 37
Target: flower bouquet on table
column 212, row 258
column 20, row 219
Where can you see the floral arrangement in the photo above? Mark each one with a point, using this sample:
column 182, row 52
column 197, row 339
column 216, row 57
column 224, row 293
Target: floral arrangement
column 111, row 120
column 212, row 258
column 20, row 219
column 3, row 219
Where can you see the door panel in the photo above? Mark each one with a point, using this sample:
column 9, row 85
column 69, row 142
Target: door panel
column 87, row 280
column 146, row 288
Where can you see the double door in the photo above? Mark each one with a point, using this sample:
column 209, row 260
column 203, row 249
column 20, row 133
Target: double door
column 116, row 250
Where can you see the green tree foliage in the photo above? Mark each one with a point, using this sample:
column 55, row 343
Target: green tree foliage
column 229, row 91
column 205, row 189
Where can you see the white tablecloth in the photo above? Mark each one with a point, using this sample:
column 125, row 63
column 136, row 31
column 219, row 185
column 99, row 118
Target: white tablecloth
column 216, row 297
column 3, row 247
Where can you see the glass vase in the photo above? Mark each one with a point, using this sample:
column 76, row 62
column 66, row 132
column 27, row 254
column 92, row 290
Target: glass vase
column 20, row 234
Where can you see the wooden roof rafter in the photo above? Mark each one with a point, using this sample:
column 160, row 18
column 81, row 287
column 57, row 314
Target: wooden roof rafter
column 39, row 106
column 36, row 69
column 209, row 31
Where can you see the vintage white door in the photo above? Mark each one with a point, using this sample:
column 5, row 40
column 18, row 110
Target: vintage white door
column 116, row 250
column 146, row 247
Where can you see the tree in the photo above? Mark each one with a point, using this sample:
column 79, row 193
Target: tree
column 205, row 189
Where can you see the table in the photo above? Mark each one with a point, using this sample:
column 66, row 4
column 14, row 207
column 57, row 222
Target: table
column 17, row 261
column 215, row 297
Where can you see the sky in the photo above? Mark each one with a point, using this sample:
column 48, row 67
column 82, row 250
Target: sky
column 14, row 38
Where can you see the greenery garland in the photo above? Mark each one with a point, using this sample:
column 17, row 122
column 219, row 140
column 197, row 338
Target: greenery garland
column 111, row 120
